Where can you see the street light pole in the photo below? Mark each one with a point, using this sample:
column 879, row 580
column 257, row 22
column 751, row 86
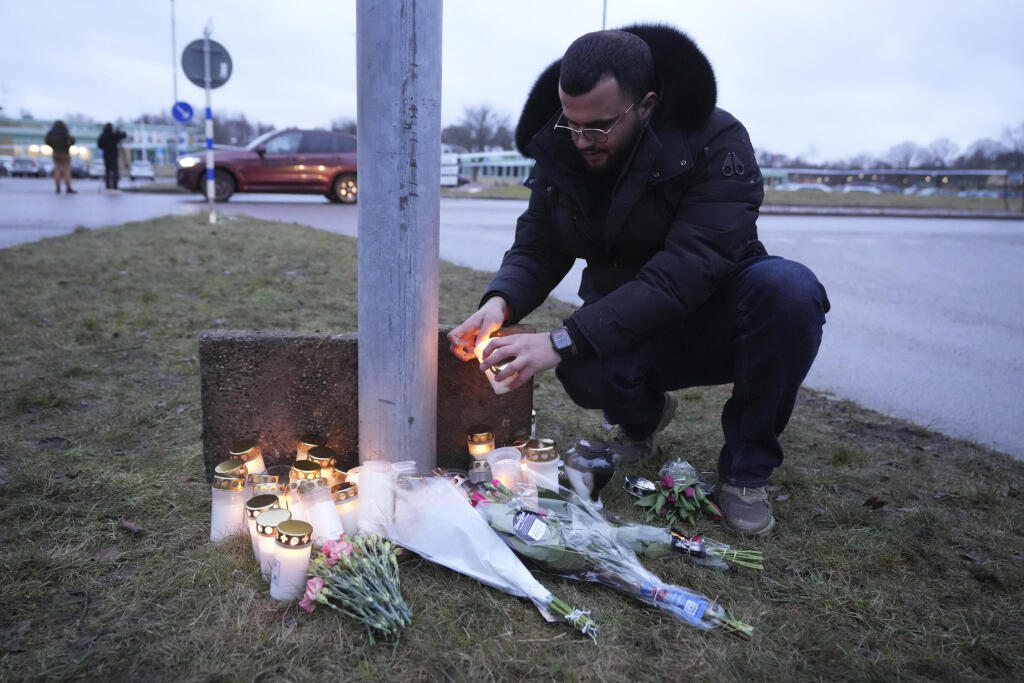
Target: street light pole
column 398, row 57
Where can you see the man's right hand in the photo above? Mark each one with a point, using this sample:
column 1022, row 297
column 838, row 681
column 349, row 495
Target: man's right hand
column 478, row 328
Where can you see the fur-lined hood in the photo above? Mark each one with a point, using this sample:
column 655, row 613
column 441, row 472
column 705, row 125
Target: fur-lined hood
column 686, row 98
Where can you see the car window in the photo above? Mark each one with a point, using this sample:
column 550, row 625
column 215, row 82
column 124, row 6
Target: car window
column 285, row 143
column 317, row 143
column 345, row 143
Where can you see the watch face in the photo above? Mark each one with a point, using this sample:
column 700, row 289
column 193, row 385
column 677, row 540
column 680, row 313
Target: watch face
column 560, row 339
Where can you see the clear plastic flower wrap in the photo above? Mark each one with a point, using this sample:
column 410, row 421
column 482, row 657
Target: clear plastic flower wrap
column 565, row 536
column 434, row 519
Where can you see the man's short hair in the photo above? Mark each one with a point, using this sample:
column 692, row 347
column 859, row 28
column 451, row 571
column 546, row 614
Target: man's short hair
column 595, row 55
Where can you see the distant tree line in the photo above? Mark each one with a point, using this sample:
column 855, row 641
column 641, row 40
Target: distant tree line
column 1005, row 153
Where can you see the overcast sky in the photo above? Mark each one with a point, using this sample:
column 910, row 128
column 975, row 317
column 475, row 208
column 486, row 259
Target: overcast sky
column 826, row 80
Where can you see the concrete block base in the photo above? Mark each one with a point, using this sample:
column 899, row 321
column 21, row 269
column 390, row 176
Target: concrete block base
column 277, row 386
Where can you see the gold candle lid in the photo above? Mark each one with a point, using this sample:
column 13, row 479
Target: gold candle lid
column 479, row 466
column 344, row 491
column 262, row 503
column 312, row 440
column 229, row 483
column 479, row 434
column 272, row 488
column 245, row 449
column 541, row 450
column 305, row 469
column 294, row 533
column 253, row 479
column 267, row 521
column 322, row 456
column 235, row 467
column 307, row 486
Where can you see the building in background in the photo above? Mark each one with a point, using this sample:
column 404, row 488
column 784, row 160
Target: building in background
column 159, row 144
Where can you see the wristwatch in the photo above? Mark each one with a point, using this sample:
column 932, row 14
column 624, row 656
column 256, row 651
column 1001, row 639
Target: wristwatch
column 562, row 341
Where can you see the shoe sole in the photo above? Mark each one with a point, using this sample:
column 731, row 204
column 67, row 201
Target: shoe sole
column 761, row 533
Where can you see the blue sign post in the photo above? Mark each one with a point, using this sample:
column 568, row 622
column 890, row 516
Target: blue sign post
column 182, row 111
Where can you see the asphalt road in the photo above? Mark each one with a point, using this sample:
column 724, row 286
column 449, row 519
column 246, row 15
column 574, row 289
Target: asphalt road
column 927, row 320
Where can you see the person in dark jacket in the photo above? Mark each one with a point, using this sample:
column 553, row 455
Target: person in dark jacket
column 108, row 142
column 640, row 174
column 59, row 139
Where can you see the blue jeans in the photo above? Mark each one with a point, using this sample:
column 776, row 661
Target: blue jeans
column 760, row 330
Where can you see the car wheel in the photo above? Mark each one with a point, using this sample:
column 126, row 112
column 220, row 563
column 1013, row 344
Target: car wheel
column 223, row 185
column 345, row 190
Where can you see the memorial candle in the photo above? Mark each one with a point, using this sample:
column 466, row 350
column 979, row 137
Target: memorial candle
column 346, row 502
column 323, row 457
column 320, row 512
column 480, row 441
column 306, row 443
column 266, row 530
column 248, row 450
column 253, row 507
column 505, row 465
column 227, row 511
column 291, row 560
column 542, row 464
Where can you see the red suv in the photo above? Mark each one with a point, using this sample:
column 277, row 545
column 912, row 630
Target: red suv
column 290, row 161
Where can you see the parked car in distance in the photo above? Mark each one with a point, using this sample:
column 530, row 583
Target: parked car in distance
column 79, row 169
column 289, row 161
column 45, row 166
column 25, row 166
column 141, row 168
column 870, row 189
column 5, row 164
column 97, row 169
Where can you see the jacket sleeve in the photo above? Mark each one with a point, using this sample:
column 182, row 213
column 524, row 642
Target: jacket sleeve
column 713, row 226
column 536, row 262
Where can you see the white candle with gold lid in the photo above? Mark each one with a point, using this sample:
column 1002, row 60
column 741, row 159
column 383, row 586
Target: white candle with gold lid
column 266, row 530
column 291, row 559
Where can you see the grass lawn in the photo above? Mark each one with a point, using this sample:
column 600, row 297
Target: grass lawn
column 108, row 573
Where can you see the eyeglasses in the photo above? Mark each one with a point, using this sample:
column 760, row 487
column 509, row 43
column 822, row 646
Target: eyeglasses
column 593, row 134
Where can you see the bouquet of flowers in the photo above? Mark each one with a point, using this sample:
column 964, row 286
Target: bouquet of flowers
column 572, row 540
column 652, row 543
column 433, row 519
column 359, row 578
column 678, row 496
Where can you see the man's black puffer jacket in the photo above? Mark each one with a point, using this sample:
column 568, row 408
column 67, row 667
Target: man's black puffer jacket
column 682, row 216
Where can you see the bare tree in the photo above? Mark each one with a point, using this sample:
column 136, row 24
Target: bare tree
column 1014, row 139
column 479, row 128
column 343, row 124
column 903, row 155
column 943, row 151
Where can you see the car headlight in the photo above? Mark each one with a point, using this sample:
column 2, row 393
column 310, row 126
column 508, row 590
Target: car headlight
column 188, row 162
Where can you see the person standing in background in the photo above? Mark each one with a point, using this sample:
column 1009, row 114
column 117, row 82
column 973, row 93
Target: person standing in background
column 60, row 141
column 108, row 142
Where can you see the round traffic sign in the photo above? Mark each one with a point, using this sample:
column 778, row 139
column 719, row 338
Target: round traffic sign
column 182, row 112
column 193, row 63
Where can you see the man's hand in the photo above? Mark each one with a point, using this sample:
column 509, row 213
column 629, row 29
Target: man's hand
column 478, row 328
column 532, row 353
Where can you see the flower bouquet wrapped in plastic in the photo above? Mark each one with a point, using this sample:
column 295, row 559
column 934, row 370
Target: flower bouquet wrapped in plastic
column 434, row 519
column 574, row 540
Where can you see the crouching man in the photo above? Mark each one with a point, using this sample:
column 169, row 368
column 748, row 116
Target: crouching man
column 639, row 173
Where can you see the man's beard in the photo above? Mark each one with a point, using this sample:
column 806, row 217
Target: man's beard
column 614, row 162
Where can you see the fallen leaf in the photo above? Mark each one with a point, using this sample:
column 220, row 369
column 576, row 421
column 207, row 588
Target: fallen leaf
column 5, row 475
column 874, row 503
column 782, row 497
column 182, row 408
column 939, row 495
column 969, row 556
column 130, row 526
